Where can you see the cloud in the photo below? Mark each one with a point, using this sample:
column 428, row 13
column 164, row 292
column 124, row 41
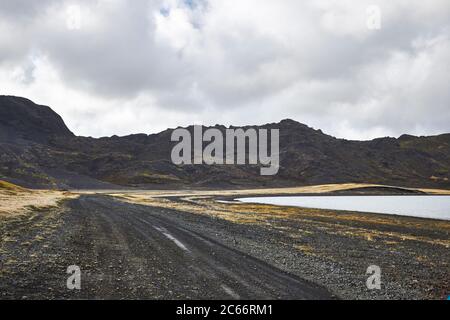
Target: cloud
column 145, row 65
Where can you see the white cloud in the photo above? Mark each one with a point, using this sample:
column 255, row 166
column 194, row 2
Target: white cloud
column 146, row 65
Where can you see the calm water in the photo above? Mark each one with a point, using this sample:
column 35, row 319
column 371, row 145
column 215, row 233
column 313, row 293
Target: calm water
column 437, row 207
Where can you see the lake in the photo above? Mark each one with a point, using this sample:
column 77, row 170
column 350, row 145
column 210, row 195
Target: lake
column 436, row 207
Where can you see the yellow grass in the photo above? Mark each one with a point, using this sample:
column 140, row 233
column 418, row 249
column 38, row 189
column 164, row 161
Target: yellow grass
column 11, row 187
column 316, row 189
column 15, row 200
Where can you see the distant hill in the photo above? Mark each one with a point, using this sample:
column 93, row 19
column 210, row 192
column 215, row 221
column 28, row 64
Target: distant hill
column 37, row 150
column 21, row 119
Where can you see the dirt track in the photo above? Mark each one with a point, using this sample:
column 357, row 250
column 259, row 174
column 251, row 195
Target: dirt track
column 131, row 251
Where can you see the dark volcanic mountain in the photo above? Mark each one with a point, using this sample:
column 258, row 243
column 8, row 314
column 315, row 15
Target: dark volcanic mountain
column 21, row 119
column 38, row 150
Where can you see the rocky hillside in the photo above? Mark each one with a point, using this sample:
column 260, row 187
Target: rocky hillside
column 38, row 150
column 21, row 119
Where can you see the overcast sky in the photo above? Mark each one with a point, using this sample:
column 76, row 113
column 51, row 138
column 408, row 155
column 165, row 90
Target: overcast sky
column 140, row 66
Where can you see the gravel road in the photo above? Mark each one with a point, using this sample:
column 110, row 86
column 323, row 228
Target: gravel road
column 128, row 251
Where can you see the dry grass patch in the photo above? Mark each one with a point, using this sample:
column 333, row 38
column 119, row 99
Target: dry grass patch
column 305, row 249
column 15, row 200
column 11, row 188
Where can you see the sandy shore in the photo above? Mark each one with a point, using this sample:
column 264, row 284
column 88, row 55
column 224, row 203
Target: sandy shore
column 316, row 189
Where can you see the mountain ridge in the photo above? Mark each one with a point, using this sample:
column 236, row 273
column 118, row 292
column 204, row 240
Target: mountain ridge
column 37, row 150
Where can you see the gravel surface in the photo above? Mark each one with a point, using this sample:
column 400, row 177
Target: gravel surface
column 129, row 251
